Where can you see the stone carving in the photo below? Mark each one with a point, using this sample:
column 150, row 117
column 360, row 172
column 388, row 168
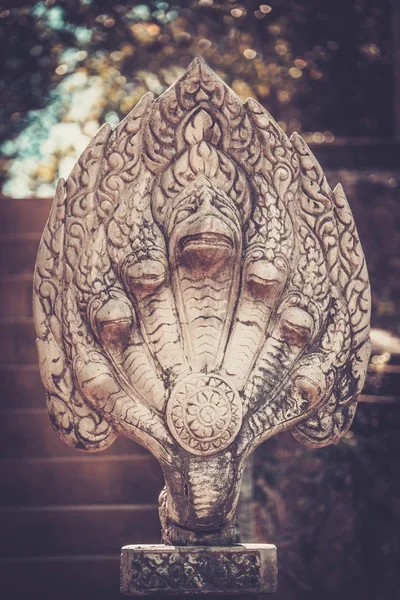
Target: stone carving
column 204, row 414
column 199, row 288
column 247, row 568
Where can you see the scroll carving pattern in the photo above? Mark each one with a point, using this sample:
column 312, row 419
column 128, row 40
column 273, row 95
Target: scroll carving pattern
column 199, row 288
column 188, row 572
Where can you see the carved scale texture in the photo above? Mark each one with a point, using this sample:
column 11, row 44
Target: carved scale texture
column 199, row 287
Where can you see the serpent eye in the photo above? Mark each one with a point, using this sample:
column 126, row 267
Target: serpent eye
column 186, row 211
column 296, row 327
column 223, row 208
column 113, row 323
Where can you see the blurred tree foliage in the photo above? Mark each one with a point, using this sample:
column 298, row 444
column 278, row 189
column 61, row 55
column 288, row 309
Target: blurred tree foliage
column 69, row 65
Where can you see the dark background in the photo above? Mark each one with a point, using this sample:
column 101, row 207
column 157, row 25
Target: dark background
column 327, row 69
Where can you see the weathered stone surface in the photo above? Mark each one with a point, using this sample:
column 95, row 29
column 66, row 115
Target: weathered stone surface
column 200, row 288
column 228, row 570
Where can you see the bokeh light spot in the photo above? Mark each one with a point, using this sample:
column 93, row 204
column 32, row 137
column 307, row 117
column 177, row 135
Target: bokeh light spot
column 295, row 72
column 249, row 53
column 61, row 69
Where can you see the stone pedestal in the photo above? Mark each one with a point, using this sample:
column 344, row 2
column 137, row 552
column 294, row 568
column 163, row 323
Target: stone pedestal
column 157, row 570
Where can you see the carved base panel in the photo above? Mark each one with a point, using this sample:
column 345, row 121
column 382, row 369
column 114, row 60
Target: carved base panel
column 148, row 570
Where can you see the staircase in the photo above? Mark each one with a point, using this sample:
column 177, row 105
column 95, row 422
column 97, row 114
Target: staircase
column 64, row 514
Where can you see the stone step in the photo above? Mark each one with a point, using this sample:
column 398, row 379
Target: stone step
column 61, row 578
column 18, row 254
column 25, row 215
column 28, row 433
column 82, row 480
column 21, row 387
column 16, row 296
column 18, row 342
column 74, row 530
column 69, row 578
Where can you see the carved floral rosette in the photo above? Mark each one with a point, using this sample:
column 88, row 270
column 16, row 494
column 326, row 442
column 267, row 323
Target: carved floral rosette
column 199, row 288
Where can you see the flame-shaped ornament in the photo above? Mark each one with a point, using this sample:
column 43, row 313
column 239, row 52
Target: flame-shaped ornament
column 199, row 288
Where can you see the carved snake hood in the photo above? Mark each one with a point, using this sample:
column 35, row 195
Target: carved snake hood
column 199, row 288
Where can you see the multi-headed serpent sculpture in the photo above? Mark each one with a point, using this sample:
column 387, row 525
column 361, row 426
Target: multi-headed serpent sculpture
column 199, row 288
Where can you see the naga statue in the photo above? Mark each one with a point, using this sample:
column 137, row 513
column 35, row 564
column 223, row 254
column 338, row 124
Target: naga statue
column 199, row 288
